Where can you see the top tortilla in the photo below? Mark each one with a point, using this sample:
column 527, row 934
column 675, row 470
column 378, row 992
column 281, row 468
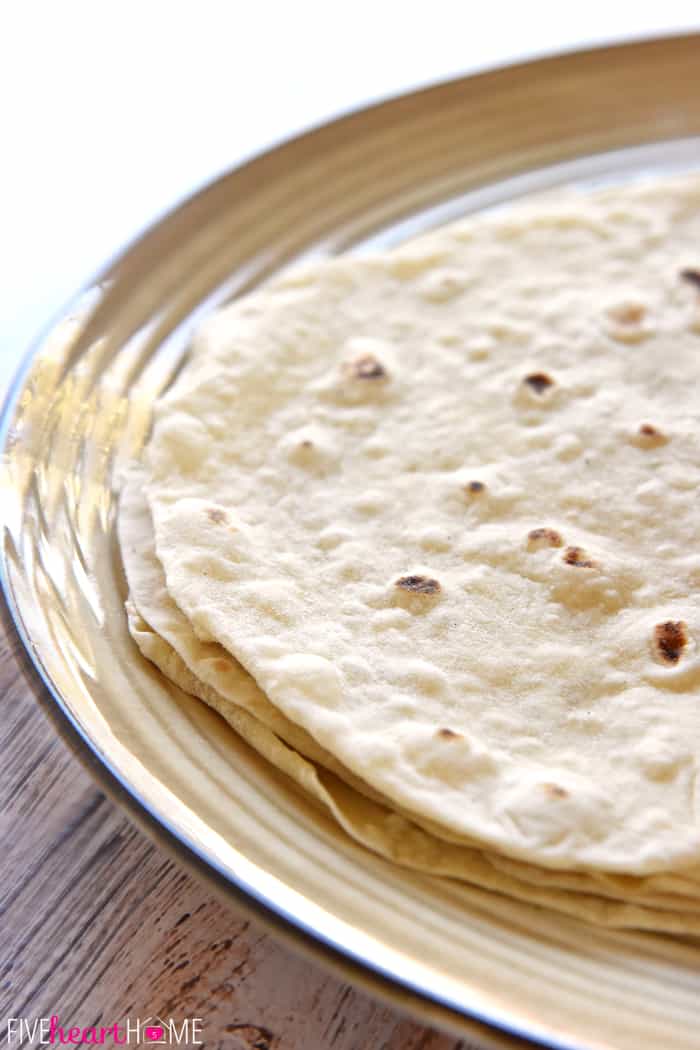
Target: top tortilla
column 442, row 505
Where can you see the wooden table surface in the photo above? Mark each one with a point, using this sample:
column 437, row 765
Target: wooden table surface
column 97, row 924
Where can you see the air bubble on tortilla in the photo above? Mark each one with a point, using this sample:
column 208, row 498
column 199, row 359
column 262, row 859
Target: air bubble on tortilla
column 648, row 435
column 441, row 286
column 567, row 447
column 628, row 321
column 310, row 447
column 543, row 537
column 372, row 501
column 388, row 619
column 434, row 539
column 332, row 537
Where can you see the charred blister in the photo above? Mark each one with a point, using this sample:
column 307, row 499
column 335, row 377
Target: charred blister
column 538, row 382
column 555, row 791
column 578, row 557
column 670, row 639
column 418, row 585
column 544, row 537
column 475, row 488
column 649, row 436
column 691, row 276
column 366, row 367
column 448, row 734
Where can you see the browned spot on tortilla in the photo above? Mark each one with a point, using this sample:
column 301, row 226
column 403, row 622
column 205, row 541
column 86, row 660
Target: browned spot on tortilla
column 544, row 537
column 555, row 791
column 306, row 443
column 670, row 639
column 651, row 435
column 539, row 382
column 578, row 557
column 448, row 734
column 692, row 277
column 366, row 367
column 418, row 584
column 216, row 515
column 475, row 487
column 222, row 665
column 627, row 313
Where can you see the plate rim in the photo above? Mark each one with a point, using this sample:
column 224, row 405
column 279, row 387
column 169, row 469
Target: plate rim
column 421, row 1004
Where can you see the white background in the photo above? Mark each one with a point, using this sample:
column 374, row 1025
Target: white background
column 113, row 112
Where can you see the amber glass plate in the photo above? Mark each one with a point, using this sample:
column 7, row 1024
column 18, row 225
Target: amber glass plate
column 493, row 969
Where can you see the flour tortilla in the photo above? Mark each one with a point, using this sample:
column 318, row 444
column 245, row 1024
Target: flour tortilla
column 315, row 489
column 205, row 670
column 394, row 837
column 210, row 662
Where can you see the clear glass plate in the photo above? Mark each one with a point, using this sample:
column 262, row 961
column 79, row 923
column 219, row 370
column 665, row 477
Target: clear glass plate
column 500, row 971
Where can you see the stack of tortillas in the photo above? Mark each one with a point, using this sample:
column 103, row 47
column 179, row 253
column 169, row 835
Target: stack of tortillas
column 424, row 528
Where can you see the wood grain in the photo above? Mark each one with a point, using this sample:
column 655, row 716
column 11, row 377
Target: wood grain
column 97, row 924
